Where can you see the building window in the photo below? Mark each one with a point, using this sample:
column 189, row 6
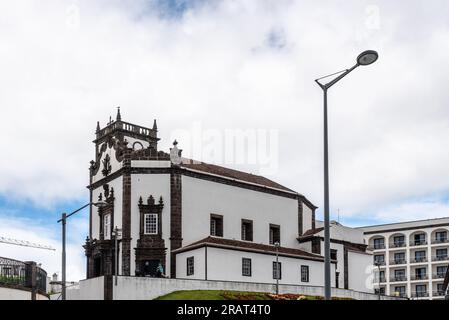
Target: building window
column 304, row 273
column 440, row 290
column 107, row 226
column 420, row 256
column 399, row 257
column 333, row 254
column 441, row 271
column 380, row 291
column 150, row 223
column 420, row 273
column 441, row 254
column 400, row 291
column 379, row 259
column 399, row 275
column 316, row 245
column 441, row 236
column 247, row 230
column 381, row 276
column 379, row 243
column 216, row 225
column 277, row 270
column 190, row 266
column 399, row 241
column 420, row 239
column 246, row 267
column 275, row 234
column 421, row 290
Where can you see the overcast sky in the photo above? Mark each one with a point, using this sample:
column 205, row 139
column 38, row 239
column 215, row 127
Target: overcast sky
column 222, row 66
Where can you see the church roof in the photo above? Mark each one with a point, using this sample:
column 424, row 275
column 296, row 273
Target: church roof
column 248, row 246
column 234, row 174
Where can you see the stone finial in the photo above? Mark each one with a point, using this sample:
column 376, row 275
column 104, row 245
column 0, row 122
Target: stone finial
column 150, row 200
column 161, row 201
column 175, row 154
column 140, row 200
column 154, row 125
column 98, row 127
column 119, row 117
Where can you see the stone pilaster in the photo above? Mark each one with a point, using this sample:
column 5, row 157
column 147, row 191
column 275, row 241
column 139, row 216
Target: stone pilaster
column 175, row 218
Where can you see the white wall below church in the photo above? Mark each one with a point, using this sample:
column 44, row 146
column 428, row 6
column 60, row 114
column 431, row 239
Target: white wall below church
column 360, row 270
column 226, row 265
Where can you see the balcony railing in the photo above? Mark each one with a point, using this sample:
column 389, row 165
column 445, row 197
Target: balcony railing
column 438, row 293
column 398, row 261
column 418, row 259
column 419, row 277
column 438, row 275
column 443, row 240
column 420, row 294
column 380, row 263
column 440, row 258
column 418, row 242
column 398, row 278
column 398, row 244
column 376, row 247
column 22, row 274
column 381, row 280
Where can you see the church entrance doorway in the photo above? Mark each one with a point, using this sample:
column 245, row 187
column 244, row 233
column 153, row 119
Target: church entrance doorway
column 149, row 267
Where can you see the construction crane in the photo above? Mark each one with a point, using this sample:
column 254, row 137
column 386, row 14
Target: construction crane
column 25, row 243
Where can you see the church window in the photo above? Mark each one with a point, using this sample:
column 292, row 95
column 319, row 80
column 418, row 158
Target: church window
column 190, row 266
column 246, row 267
column 247, row 230
column 275, row 234
column 216, row 225
column 107, row 226
column 150, row 220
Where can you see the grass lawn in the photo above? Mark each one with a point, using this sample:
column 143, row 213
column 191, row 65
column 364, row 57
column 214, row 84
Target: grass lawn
column 230, row 295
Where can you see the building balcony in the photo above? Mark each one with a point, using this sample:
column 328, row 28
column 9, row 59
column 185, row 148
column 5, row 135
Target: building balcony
column 438, row 275
column 379, row 263
column 381, row 280
column 398, row 244
column 420, row 294
column 398, row 261
column 438, row 293
column 419, row 277
column 376, row 247
column 418, row 260
column 437, row 241
column 398, row 278
column 440, row 258
column 415, row 243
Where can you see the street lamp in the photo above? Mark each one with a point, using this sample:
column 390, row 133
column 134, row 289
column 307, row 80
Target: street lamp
column 63, row 220
column 277, row 245
column 365, row 58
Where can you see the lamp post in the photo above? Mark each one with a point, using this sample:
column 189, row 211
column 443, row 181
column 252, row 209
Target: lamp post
column 63, row 221
column 277, row 245
column 116, row 234
column 364, row 59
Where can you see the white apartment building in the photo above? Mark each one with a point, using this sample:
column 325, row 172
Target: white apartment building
column 411, row 258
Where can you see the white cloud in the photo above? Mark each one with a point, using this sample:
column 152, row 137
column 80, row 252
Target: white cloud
column 67, row 64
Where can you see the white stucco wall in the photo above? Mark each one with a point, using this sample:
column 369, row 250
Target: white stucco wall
column 226, row 265
column 306, row 217
column 115, row 165
column 360, row 270
column 200, row 198
column 16, row 294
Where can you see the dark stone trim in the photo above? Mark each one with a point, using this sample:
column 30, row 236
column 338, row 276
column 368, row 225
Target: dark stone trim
column 175, row 218
column 205, row 262
column 407, row 228
column 300, row 219
column 108, row 288
column 107, row 179
column 126, row 214
column 350, row 245
column 345, row 267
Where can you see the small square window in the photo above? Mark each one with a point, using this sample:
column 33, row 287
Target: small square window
column 304, row 273
column 216, row 225
column 190, row 266
column 246, row 267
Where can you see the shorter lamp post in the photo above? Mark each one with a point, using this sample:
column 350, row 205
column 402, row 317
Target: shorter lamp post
column 63, row 220
column 116, row 234
column 277, row 245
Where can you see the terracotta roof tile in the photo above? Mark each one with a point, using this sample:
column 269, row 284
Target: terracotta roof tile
column 221, row 242
column 234, row 174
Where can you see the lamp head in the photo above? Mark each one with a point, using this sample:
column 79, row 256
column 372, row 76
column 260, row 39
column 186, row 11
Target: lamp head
column 100, row 204
column 367, row 57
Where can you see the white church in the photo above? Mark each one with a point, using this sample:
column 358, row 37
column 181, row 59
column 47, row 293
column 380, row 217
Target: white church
column 192, row 220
